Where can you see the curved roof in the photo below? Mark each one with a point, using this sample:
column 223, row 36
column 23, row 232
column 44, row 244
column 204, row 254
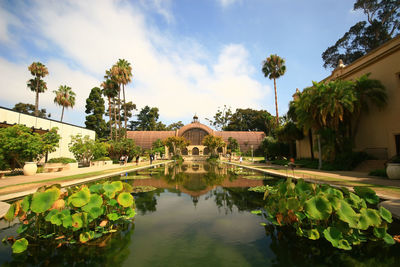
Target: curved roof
column 145, row 139
column 194, row 125
column 245, row 139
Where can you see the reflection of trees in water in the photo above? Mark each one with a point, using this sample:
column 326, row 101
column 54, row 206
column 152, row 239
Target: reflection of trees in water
column 241, row 198
column 291, row 250
column 111, row 253
column 147, row 202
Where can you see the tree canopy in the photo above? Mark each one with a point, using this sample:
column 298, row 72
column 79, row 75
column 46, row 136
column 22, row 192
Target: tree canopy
column 381, row 25
column 30, row 110
column 95, row 108
column 146, row 120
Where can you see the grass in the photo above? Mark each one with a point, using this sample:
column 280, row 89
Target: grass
column 77, row 176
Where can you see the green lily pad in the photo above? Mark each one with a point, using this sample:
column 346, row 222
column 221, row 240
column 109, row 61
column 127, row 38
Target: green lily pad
column 388, row 239
column 26, row 203
column 49, row 215
column 125, row 199
column 318, row 208
column 385, row 214
column 303, row 187
column 77, row 221
column 42, row 201
column 57, row 219
column 333, row 235
column 96, row 212
column 9, row 216
column 94, row 201
column 369, row 217
column 80, row 198
column 367, row 193
column 67, row 221
column 117, row 185
column 379, row 232
column 347, row 214
column 130, row 213
column 113, row 216
column 20, row 245
column 257, row 212
column 313, row 234
column 86, row 236
column 140, row 189
column 96, row 188
column 344, row 244
column 293, row 204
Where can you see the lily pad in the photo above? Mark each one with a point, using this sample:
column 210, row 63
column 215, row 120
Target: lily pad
column 26, row 203
column 9, row 216
column 347, row 214
column 80, row 198
column 94, row 201
column 140, row 189
column 125, row 199
column 369, row 217
column 385, row 214
column 42, row 201
column 77, row 221
column 86, row 236
column 367, row 193
column 313, row 234
column 318, row 208
column 20, row 245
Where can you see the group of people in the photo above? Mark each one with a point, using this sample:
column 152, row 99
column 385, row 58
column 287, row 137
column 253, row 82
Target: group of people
column 124, row 159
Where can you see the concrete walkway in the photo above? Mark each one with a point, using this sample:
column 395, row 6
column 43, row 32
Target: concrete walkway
column 386, row 189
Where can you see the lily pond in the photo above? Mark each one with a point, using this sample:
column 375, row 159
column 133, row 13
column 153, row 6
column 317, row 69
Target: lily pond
column 197, row 214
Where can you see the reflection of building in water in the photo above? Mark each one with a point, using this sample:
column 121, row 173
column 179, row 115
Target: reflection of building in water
column 195, row 133
column 193, row 167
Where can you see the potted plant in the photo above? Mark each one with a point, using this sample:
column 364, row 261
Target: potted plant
column 393, row 168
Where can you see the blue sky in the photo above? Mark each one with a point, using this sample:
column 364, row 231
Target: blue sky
column 188, row 56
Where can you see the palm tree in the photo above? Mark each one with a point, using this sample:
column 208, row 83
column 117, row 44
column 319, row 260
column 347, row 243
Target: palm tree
column 369, row 92
column 36, row 84
column 122, row 71
column 273, row 68
column 110, row 90
column 65, row 97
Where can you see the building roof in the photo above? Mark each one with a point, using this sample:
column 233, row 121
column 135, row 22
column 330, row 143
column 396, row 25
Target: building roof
column 145, row 139
column 245, row 139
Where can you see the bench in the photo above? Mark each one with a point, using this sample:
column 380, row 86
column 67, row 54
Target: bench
column 3, row 174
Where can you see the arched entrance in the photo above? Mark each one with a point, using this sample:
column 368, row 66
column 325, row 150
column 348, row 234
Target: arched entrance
column 220, row 150
column 206, row 151
column 195, row 151
column 184, row 151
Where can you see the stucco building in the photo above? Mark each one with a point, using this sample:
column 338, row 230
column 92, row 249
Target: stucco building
column 10, row 117
column 194, row 133
column 379, row 130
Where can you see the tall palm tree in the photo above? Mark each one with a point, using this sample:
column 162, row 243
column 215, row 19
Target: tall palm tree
column 36, row 84
column 122, row 71
column 65, row 97
column 110, row 90
column 273, row 68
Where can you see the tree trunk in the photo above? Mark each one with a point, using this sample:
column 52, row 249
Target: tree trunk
column 319, row 153
column 37, row 98
column 62, row 114
column 115, row 118
column 311, row 143
column 119, row 113
column 276, row 105
column 109, row 116
column 125, row 115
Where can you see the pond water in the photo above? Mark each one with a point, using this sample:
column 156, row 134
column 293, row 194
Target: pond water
column 200, row 215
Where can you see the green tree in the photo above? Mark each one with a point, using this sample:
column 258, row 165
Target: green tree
column 233, row 145
column 175, row 126
column 36, row 84
column 176, row 144
column 221, row 118
column 85, row 149
column 122, row 71
column 158, row 146
column 289, row 133
column 213, row 143
column 110, row 90
column 95, row 108
column 30, row 110
column 382, row 24
column 65, row 97
column 19, row 144
column 250, row 120
column 273, row 68
column 117, row 148
column 146, row 120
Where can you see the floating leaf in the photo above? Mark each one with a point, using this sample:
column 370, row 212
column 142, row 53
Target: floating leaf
column 96, row 188
column 9, row 216
column 49, row 215
column 20, row 245
column 59, row 204
column 80, row 198
column 95, row 212
column 347, row 214
column 117, row 185
column 318, row 208
column 113, row 216
column 333, row 235
column 344, row 244
column 42, row 201
column 388, row 239
column 369, row 217
column 77, row 221
column 86, row 236
column 257, row 212
column 125, row 199
column 67, row 221
column 356, row 201
column 367, row 193
column 95, row 201
column 313, row 234
column 385, row 214
column 26, row 203
column 130, row 213
column 379, row 232
column 293, row 204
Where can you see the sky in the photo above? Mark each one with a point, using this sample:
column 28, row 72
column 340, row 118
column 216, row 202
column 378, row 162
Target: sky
column 188, row 56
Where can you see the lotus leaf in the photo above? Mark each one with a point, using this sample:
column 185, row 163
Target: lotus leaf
column 380, row 232
column 57, row 219
column 127, row 187
column 388, row 239
column 67, row 221
column 113, row 216
column 109, row 190
column 20, row 245
column 355, row 201
column 333, row 235
column 112, row 202
column 22, row 228
column 117, row 185
column 140, row 189
column 303, row 187
column 49, row 215
column 95, row 201
column 367, row 193
column 257, row 212
column 369, row 217
column 130, row 213
column 42, row 201
column 9, row 216
column 80, row 198
column 95, row 212
column 59, row 204
column 293, row 204
column 344, row 244
column 96, row 188
column 385, row 214
column 318, row 208
column 125, row 199
column 335, row 201
column 347, row 214
column 26, row 203
column 313, row 234
column 77, row 221
column 86, row 236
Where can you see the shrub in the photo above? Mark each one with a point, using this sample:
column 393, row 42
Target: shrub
column 378, row 172
column 102, row 159
column 274, row 149
column 61, row 160
column 348, row 161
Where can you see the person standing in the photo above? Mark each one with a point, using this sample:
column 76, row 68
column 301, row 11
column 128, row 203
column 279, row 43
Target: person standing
column 137, row 160
column 240, row 159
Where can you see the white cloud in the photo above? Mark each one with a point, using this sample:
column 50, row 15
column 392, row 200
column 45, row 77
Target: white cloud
column 7, row 20
column 226, row 3
column 176, row 74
